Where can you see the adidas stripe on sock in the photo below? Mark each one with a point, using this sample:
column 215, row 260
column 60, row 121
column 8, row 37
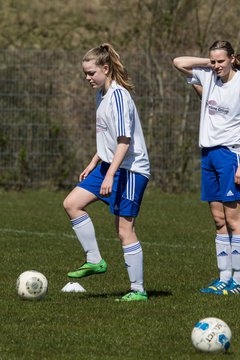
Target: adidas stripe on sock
column 224, row 257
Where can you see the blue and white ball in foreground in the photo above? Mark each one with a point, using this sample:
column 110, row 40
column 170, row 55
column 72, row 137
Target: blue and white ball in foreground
column 32, row 285
column 211, row 335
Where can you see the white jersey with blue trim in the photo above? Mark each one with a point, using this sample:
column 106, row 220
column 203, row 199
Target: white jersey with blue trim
column 220, row 110
column 117, row 116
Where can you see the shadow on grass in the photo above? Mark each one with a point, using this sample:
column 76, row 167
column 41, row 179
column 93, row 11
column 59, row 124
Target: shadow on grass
column 155, row 293
column 151, row 294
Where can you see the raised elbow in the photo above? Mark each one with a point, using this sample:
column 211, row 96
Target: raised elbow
column 177, row 62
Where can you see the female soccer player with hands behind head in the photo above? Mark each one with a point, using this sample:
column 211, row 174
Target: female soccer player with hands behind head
column 219, row 140
column 117, row 174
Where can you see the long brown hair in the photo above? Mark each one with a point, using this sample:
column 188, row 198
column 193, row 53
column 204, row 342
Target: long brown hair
column 105, row 54
column 225, row 45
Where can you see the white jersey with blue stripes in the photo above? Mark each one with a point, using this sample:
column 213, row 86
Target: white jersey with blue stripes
column 117, row 116
column 220, row 110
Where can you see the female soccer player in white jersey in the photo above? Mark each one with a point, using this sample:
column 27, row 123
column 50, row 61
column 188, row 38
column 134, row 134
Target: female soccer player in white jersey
column 117, row 174
column 219, row 140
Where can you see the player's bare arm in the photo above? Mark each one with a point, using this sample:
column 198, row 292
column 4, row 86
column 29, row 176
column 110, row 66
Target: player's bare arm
column 185, row 64
column 198, row 90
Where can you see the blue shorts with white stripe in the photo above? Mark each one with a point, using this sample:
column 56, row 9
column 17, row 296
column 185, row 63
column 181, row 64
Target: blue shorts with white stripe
column 127, row 192
column 219, row 166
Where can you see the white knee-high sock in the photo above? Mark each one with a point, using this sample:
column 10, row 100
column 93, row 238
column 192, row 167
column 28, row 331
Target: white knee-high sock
column 236, row 258
column 224, row 257
column 133, row 257
column 85, row 233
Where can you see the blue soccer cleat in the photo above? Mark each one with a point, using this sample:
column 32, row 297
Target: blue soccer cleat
column 232, row 288
column 216, row 287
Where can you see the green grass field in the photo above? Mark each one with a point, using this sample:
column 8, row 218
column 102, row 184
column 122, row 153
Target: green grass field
column 177, row 236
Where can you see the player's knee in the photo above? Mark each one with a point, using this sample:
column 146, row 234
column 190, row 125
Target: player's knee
column 67, row 204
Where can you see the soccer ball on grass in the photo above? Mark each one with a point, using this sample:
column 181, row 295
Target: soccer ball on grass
column 211, row 335
column 32, row 285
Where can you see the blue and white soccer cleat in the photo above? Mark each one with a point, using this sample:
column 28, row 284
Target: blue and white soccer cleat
column 232, row 288
column 216, row 287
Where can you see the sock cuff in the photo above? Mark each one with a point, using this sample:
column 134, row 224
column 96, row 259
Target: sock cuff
column 80, row 221
column 236, row 240
column 132, row 248
column 223, row 239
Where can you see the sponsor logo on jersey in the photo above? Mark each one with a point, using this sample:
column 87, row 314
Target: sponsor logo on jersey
column 214, row 108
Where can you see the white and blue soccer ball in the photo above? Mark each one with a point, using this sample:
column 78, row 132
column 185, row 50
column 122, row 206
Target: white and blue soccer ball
column 211, row 335
column 32, row 285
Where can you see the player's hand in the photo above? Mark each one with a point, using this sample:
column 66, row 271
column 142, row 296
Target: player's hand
column 106, row 188
column 84, row 174
column 93, row 163
column 237, row 176
column 86, row 171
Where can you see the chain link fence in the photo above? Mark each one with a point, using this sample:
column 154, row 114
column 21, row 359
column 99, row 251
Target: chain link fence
column 47, row 127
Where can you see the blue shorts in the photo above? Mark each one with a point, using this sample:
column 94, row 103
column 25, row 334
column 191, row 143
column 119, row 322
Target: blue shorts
column 219, row 166
column 127, row 191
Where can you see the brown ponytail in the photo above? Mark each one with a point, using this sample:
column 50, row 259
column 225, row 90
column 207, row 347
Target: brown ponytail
column 105, row 54
column 237, row 62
